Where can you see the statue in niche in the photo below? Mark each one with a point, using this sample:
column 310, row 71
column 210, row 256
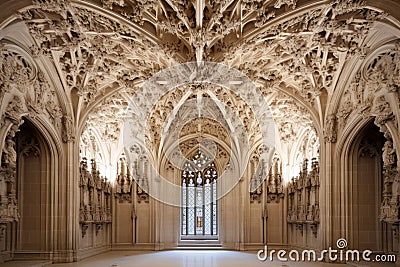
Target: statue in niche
column 317, row 213
column 389, row 154
column 82, row 214
column 68, row 135
column 9, row 153
column 3, row 191
column 330, row 129
column 39, row 88
column 54, row 110
column 126, row 187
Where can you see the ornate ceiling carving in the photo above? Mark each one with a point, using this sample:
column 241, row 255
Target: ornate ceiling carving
column 93, row 53
column 294, row 50
column 108, row 118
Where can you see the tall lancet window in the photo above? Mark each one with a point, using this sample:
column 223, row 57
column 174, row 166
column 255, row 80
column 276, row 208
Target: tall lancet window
column 199, row 199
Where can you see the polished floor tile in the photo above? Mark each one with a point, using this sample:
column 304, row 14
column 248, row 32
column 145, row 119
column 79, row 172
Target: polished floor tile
column 184, row 258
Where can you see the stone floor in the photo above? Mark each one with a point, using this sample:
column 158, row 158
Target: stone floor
column 177, row 258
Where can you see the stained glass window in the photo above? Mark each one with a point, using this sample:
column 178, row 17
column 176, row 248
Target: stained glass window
column 199, row 198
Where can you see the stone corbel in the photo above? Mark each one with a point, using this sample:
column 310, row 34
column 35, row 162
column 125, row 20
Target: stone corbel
column 314, row 229
column 142, row 195
column 84, row 226
column 99, row 227
column 255, row 196
column 3, row 228
column 395, row 230
column 299, row 227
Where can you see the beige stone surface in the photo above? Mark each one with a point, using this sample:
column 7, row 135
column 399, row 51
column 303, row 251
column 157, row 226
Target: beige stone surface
column 104, row 104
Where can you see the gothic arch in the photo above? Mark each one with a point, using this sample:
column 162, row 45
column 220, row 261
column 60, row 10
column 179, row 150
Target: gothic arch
column 167, row 153
column 39, row 175
column 363, row 183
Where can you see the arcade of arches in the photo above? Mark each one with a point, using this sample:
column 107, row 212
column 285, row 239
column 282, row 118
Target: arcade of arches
column 72, row 71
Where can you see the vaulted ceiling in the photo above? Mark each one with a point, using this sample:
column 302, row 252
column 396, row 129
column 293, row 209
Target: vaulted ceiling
column 88, row 58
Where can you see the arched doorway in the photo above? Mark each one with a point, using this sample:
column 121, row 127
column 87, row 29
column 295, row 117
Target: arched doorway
column 365, row 187
column 33, row 238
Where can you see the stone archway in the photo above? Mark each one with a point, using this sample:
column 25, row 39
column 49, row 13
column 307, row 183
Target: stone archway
column 365, row 183
column 33, row 236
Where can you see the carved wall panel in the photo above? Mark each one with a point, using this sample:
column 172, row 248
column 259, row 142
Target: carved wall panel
column 124, row 182
column 303, row 197
column 95, row 198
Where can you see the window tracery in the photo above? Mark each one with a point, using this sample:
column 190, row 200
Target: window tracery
column 199, row 198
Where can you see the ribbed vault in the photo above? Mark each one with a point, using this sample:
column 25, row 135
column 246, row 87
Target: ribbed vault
column 88, row 58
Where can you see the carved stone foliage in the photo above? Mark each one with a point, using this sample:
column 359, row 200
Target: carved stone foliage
column 201, row 29
column 200, row 129
column 242, row 111
column 108, row 118
column 290, row 117
column 31, row 93
column 89, row 148
column 372, row 94
column 15, row 71
column 206, row 127
column 305, row 52
column 95, row 198
column 194, row 145
column 303, row 197
column 368, row 92
column 96, row 48
column 92, row 52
